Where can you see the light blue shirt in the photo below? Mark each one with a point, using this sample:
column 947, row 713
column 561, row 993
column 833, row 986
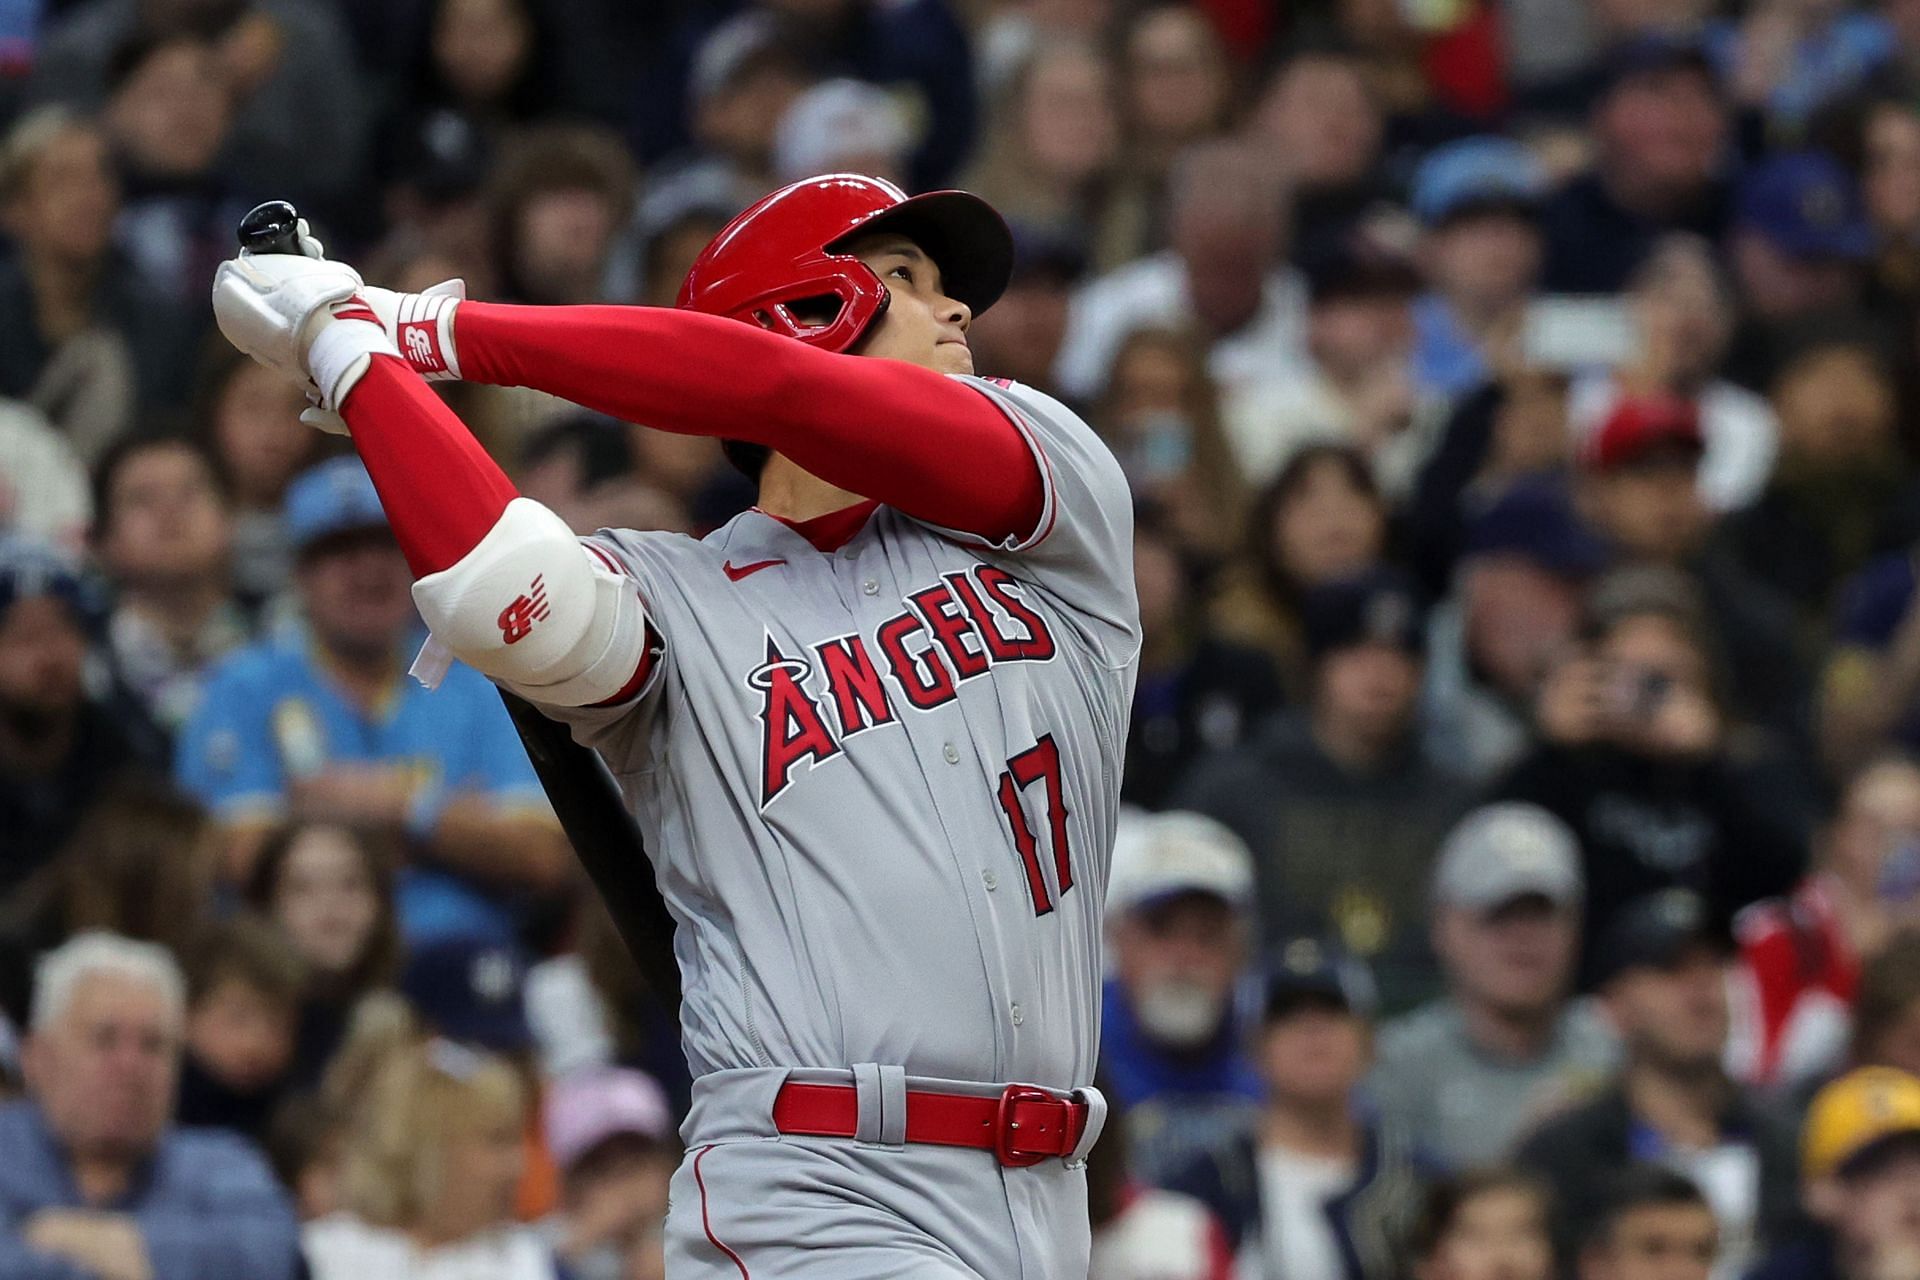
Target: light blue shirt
column 205, row 1203
column 271, row 713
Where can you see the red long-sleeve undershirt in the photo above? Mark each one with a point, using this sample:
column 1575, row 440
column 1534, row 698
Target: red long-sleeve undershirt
column 905, row 435
column 901, row 434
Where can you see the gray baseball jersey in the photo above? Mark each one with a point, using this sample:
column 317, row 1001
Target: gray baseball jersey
column 879, row 779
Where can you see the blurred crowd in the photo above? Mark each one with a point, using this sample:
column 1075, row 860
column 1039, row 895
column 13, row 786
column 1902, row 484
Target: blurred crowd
column 1523, row 874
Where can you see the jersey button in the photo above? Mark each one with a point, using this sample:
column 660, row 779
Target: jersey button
column 1014, row 1012
column 871, row 587
column 952, row 753
column 990, row 880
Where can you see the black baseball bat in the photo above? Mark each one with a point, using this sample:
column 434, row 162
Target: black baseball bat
column 592, row 812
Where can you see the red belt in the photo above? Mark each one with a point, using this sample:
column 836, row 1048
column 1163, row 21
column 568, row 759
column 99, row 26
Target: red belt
column 1023, row 1126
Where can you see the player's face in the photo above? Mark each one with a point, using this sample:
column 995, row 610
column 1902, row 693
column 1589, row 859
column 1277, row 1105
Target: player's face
column 922, row 325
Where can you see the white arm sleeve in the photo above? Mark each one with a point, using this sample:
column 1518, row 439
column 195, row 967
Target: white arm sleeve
column 538, row 612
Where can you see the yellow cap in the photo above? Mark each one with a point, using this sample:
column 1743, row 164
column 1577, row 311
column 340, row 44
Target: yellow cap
column 1853, row 1113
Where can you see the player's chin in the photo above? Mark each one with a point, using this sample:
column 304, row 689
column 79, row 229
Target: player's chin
column 953, row 357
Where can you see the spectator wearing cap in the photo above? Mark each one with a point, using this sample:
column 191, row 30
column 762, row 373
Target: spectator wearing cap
column 1341, row 809
column 1682, row 310
column 1799, row 244
column 1515, row 606
column 1860, row 1165
column 1479, row 202
column 163, row 532
column 1660, row 131
column 60, row 745
column 1638, row 487
column 611, row 1135
column 1180, row 925
column 1801, row 954
column 1354, row 384
column 1651, row 1224
column 1469, row 1072
column 1637, row 756
column 1224, row 274
column 98, row 1182
column 1316, row 1186
column 1196, row 693
column 1662, row 981
column 843, row 126
column 323, row 723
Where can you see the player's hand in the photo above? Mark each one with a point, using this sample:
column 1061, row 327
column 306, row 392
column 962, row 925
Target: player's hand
column 268, row 305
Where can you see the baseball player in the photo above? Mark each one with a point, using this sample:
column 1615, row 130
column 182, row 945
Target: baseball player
column 871, row 729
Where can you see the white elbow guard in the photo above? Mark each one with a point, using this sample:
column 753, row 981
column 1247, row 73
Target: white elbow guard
column 537, row 611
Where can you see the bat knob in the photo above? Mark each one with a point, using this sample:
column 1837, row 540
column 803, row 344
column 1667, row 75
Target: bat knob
column 273, row 227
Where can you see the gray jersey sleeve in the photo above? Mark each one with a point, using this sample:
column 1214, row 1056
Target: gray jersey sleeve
column 1081, row 550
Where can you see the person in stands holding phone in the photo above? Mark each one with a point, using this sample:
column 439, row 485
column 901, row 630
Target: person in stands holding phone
column 1638, row 756
column 1801, row 955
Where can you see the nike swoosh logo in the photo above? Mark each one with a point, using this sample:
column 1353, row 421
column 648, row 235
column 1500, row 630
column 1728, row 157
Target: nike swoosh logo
column 737, row 572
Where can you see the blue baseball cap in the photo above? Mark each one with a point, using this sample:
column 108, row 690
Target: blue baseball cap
column 1535, row 518
column 31, row 569
column 471, row 990
column 1474, row 175
column 335, row 497
column 1307, row 970
column 1375, row 606
column 1807, row 204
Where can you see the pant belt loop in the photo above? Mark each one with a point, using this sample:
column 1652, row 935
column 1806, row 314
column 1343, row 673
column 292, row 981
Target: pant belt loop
column 1096, row 1121
column 869, row 1105
column 893, row 1105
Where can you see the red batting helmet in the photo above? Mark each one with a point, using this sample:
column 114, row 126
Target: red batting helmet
column 785, row 249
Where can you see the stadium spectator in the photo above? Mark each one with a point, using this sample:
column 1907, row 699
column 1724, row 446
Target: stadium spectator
column 1638, row 487
column 1314, row 1187
column 1886, row 1008
column 1801, row 954
column 1320, row 521
column 612, row 1137
column 1830, row 503
column 244, row 981
column 330, row 889
column 1682, row 311
column 164, row 535
column 98, row 1181
column 1662, row 979
column 324, row 723
column 1052, row 163
column 168, row 115
column 1637, row 757
column 1514, row 609
column 299, row 128
column 1319, row 114
column 1177, row 86
column 43, row 487
column 1861, row 1165
column 1489, row 1224
column 1181, row 928
column 250, row 420
column 1659, row 135
column 1020, row 335
column 1870, row 689
column 559, row 197
column 89, row 340
column 1340, row 808
column 1789, row 60
column 60, row 745
column 1355, row 385
column 843, row 126
column 1479, row 203
column 1224, row 272
column 1651, row 1224
column 1885, row 147
column 1470, row 1072
column 432, row 1158
column 1141, row 1232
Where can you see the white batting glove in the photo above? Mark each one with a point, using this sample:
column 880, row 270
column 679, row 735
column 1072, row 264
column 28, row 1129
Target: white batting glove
column 421, row 325
column 300, row 316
